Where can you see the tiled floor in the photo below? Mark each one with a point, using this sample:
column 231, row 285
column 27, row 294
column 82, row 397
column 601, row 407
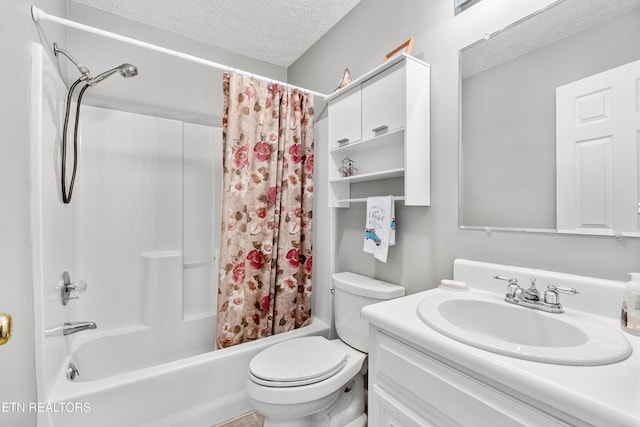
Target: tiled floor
column 251, row 420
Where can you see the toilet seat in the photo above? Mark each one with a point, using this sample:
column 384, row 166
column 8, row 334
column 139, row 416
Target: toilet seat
column 297, row 362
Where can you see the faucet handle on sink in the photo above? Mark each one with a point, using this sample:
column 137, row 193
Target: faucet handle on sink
column 551, row 294
column 513, row 289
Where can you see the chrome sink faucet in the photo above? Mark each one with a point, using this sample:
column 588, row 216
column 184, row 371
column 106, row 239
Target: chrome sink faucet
column 530, row 297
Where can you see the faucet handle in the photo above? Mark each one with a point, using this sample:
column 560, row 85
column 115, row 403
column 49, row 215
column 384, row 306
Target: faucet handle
column 506, row 279
column 78, row 286
column 70, row 290
column 513, row 289
column 551, row 294
column 563, row 290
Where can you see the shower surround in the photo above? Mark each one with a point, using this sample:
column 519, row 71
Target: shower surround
column 140, row 231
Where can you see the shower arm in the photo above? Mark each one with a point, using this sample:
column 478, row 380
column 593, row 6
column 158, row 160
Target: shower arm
column 86, row 75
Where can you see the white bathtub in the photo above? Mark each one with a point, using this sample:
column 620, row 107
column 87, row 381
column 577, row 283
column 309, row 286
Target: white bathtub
column 198, row 391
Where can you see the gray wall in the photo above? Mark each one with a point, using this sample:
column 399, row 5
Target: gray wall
column 429, row 238
column 16, row 291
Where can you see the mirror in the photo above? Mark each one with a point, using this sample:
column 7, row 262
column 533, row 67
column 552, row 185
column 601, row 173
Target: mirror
column 514, row 172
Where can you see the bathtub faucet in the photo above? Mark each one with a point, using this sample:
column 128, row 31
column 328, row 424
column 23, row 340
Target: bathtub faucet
column 73, row 327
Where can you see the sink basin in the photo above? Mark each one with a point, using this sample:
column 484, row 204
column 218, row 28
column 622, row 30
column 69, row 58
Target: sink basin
column 485, row 321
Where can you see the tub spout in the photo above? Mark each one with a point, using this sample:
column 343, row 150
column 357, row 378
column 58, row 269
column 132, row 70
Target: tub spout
column 73, row 327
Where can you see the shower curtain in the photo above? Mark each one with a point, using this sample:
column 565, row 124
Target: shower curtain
column 265, row 244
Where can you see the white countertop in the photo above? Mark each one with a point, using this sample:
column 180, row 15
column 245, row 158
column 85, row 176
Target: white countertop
column 606, row 395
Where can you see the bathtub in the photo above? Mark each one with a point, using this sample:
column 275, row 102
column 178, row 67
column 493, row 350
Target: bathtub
column 197, row 391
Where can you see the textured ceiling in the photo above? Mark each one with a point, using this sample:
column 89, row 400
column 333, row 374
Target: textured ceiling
column 275, row 31
column 556, row 22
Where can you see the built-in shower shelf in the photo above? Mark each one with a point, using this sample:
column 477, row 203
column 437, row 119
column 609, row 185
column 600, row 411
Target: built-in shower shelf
column 198, row 263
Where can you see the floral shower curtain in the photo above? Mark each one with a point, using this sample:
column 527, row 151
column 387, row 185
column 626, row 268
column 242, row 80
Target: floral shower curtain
column 265, row 244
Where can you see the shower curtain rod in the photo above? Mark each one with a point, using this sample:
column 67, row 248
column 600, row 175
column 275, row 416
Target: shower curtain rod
column 39, row 15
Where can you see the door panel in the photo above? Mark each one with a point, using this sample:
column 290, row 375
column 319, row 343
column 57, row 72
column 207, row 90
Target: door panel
column 598, row 138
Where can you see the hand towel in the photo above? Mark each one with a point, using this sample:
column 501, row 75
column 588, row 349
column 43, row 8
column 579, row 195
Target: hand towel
column 379, row 232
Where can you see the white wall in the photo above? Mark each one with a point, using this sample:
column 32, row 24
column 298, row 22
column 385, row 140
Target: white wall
column 429, row 238
column 17, row 30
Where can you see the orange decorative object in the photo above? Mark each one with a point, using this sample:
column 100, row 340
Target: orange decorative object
column 405, row 47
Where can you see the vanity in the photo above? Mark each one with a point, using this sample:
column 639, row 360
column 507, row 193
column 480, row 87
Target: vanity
column 508, row 365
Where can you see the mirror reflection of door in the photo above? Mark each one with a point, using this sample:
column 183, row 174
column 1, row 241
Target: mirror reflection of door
column 597, row 153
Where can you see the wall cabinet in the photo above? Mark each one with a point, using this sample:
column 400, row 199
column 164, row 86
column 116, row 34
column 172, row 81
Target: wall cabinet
column 346, row 124
column 410, row 388
column 383, row 102
column 381, row 124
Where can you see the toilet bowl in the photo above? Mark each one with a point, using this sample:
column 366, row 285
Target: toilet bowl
column 316, row 382
column 292, row 381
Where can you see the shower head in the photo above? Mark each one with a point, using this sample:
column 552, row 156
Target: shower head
column 125, row 70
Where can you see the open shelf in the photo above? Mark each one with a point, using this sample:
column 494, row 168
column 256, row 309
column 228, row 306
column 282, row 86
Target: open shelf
column 364, row 199
column 373, row 176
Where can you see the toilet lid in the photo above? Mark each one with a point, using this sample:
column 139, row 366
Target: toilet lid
column 296, row 362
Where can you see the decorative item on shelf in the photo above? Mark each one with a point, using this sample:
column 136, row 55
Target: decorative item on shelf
column 344, row 80
column 405, row 47
column 348, row 168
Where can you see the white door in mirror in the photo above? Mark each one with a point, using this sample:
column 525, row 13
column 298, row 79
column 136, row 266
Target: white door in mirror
column 597, row 123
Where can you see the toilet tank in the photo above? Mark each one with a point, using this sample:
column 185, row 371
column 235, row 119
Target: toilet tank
column 353, row 292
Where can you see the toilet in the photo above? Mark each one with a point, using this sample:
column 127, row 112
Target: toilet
column 313, row 381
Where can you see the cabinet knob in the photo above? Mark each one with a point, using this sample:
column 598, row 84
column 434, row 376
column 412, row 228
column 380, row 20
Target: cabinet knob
column 380, row 128
column 343, row 141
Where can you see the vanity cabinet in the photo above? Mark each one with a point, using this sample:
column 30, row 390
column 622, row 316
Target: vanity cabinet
column 380, row 125
column 409, row 388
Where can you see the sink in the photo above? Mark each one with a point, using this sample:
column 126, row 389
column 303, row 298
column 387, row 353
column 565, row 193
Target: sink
column 483, row 320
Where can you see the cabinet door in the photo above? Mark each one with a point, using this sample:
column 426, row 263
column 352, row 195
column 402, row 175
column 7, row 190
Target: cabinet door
column 436, row 391
column 384, row 102
column 345, row 118
column 386, row 411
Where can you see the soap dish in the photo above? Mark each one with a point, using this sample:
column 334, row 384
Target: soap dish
column 453, row 285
